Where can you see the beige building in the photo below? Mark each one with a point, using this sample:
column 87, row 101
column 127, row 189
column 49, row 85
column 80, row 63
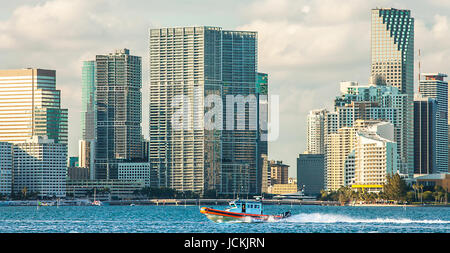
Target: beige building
column 30, row 106
column 283, row 189
column 278, row 172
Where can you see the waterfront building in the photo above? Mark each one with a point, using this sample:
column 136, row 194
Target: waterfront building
column 117, row 106
column 30, row 105
column 188, row 67
column 6, row 163
column 310, row 173
column 316, row 131
column 339, row 148
column 375, row 156
column 425, row 109
column 392, row 61
column 434, row 86
column 432, row 180
column 106, row 189
column 278, row 172
column 376, row 101
column 139, row 172
column 40, row 165
column 280, row 189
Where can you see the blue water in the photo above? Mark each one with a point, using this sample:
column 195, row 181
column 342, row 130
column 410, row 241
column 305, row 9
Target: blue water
column 187, row 219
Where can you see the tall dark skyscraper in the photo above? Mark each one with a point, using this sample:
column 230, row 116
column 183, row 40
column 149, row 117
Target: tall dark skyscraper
column 118, row 101
column 425, row 109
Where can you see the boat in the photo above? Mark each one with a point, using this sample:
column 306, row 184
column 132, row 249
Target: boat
column 242, row 211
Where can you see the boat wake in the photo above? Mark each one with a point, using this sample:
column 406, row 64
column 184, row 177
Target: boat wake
column 336, row 218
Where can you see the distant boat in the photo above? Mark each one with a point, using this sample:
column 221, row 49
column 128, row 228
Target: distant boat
column 96, row 202
column 241, row 210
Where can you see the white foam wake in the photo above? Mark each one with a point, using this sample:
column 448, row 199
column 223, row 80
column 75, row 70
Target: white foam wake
column 336, row 218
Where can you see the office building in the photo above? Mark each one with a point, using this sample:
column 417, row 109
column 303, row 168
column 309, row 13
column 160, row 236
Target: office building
column 6, row 163
column 118, row 82
column 138, row 172
column 392, row 57
column 279, row 172
column 190, row 66
column 316, row 131
column 425, row 121
column 40, row 165
column 434, row 86
column 30, row 105
column 310, row 173
column 104, row 189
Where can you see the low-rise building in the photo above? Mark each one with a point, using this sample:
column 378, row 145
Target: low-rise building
column 104, row 189
column 279, row 189
column 138, row 172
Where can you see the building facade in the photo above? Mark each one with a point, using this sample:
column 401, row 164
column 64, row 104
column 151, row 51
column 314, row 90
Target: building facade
column 118, row 82
column 190, row 68
column 30, row 105
column 392, row 57
column 279, row 172
column 434, row 86
column 40, row 165
column 139, row 172
column 310, row 173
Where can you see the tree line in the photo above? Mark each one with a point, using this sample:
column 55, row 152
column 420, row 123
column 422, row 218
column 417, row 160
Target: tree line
column 395, row 190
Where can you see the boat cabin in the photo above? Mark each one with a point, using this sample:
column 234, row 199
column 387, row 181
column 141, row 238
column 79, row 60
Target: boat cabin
column 244, row 206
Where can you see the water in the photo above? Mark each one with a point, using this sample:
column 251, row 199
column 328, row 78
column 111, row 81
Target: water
column 187, row 219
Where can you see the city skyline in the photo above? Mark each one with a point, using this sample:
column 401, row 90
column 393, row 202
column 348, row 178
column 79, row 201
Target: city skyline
column 294, row 64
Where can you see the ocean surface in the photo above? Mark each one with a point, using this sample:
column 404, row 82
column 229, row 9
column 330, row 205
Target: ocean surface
column 188, row 219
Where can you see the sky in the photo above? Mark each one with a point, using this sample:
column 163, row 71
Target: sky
column 306, row 47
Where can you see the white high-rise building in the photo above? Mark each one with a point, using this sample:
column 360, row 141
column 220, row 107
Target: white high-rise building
column 375, row 156
column 40, row 165
column 316, row 131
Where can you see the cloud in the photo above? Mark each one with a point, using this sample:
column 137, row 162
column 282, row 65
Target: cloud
column 308, row 47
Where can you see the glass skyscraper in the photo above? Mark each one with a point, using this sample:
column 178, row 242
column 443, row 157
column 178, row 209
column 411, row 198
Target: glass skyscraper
column 188, row 67
column 434, row 86
column 392, row 46
column 117, row 106
column 88, row 101
column 30, row 105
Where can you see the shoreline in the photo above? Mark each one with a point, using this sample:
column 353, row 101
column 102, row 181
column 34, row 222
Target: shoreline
column 198, row 202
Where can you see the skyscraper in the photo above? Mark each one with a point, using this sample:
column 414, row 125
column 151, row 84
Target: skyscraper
column 30, row 105
column 392, row 46
column 434, row 86
column 190, row 67
column 316, row 131
column 425, row 119
column 118, row 84
column 88, row 104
